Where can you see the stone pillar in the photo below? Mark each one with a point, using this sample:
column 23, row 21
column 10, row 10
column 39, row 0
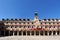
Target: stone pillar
column 9, row 33
column 22, row 33
column 17, row 33
column 13, row 33
column 4, row 32
column 30, row 33
column 39, row 33
column 43, row 33
column 34, row 32
column 52, row 33
column 48, row 33
column 59, row 32
column 26, row 33
column 56, row 33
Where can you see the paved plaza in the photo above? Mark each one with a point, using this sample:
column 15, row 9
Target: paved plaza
column 30, row 38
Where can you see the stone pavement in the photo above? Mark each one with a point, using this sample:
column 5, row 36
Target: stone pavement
column 30, row 38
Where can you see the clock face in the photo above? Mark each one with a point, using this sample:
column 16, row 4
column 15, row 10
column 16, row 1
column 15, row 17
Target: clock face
column 39, row 26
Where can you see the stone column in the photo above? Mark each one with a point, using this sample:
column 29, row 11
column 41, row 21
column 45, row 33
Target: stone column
column 44, row 33
column 52, row 33
column 26, row 33
column 56, row 33
column 48, row 33
column 34, row 32
column 22, row 33
column 17, row 33
column 39, row 32
column 59, row 32
column 30, row 33
column 9, row 33
column 4, row 32
column 13, row 33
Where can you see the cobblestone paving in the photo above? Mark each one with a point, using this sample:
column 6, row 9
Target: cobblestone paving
column 30, row 38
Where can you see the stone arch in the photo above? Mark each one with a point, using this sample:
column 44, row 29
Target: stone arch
column 2, row 28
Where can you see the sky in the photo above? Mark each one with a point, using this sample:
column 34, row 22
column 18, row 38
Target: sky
column 26, row 8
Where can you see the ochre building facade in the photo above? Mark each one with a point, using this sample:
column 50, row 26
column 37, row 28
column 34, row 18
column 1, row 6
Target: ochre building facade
column 28, row 27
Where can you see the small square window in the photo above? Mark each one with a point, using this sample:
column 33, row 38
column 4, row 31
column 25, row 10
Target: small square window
column 6, row 22
column 15, row 22
column 19, row 22
column 32, row 22
column 24, row 22
column 49, row 23
column 28, row 22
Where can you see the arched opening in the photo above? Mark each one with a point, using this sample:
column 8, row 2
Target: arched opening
column 37, row 32
column 50, row 32
column 15, row 32
column 2, row 29
column 45, row 32
column 54, row 32
column 20, row 32
column 11, row 33
column 28, row 32
column 32, row 32
column 41, row 32
column 24, row 32
column 57, row 32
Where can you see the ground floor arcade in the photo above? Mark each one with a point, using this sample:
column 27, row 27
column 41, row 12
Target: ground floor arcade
column 29, row 33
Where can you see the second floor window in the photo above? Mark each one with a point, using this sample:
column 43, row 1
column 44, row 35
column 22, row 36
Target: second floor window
column 19, row 22
column 15, row 22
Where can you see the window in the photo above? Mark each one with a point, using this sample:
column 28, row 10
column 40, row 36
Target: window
column 50, row 27
column 20, row 27
column 53, row 19
column 44, row 19
column 53, row 23
column 15, row 27
column 20, row 19
column 45, row 22
column 41, row 23
column 54, row 26
column 7, row 19
column 39, row 20
column 6, row 22
column 57, row 23
column 48, row 19
column 24, row 26
column 16, row 19
column 49, row 23
column 28, row 26
column 24, row 19
column 28, row 22
column 15, row 22
column 45, row 26
column 57, row 19
column 32, row 22
column 28, row 19
column 11, row 19
column 19, row 22
column 32, row 26
column 11, row 22
column 11, row 26
column 24, row 22
column 3, row 19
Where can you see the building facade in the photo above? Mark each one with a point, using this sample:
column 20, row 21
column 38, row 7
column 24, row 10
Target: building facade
column 27, row 27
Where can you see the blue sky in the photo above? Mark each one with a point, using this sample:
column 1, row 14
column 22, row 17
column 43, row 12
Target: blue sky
column 25, row 8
